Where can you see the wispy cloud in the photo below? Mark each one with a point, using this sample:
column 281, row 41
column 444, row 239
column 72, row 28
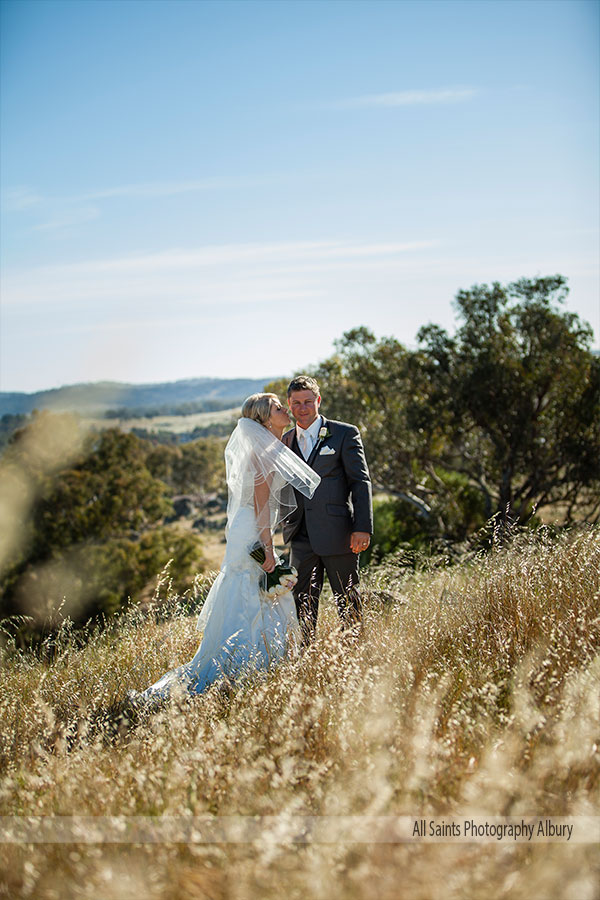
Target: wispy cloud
column 236, row 271
column 24, row 198
column 226, row 254
column 411, row 98
column 18, row 199
column 56, row 214
column 172, row 188
column 69, row 218
column 53, row 214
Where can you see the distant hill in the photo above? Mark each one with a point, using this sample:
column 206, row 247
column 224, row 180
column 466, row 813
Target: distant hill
column 104, row 397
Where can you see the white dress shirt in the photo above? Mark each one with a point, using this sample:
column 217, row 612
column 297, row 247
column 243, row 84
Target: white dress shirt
column 308, row 437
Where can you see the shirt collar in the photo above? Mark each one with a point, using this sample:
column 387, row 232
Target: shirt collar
column 312, row 431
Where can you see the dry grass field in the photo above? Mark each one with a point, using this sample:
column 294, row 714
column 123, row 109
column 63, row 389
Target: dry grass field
column 473, row 690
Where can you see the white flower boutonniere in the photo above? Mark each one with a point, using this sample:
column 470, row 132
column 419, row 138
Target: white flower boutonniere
column 324, row 432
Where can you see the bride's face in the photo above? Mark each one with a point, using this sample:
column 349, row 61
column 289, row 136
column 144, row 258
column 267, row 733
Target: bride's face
column 279, row 417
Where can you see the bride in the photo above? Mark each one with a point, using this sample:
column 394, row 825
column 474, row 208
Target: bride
column 242, row 628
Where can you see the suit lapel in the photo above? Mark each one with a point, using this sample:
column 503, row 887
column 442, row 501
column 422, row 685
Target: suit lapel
column 292, row 442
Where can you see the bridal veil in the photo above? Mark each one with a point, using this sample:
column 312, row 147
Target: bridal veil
column 255, row 458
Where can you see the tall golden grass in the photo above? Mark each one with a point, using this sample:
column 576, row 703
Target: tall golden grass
column 473, row 690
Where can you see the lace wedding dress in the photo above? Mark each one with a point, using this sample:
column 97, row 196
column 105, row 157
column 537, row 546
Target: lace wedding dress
column 242, row 629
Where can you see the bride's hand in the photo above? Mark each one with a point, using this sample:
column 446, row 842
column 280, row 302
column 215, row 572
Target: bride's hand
column 269, row 563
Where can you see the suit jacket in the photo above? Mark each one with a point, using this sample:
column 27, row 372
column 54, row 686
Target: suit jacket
column 342, row 502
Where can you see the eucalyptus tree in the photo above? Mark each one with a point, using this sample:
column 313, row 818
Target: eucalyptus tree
column 503, row 417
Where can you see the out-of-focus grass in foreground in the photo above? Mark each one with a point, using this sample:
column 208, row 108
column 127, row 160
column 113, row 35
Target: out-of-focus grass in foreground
column 473, row 690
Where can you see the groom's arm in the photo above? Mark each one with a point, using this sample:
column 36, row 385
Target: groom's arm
column 359, row 481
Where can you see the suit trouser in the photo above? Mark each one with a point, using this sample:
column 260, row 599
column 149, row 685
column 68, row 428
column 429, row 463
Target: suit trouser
column 342, row 572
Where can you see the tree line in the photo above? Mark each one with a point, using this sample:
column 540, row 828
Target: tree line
column 170, row 409
column 91, row 519
column 502, row 419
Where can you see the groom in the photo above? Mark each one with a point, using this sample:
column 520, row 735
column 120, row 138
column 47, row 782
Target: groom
column 328, row 531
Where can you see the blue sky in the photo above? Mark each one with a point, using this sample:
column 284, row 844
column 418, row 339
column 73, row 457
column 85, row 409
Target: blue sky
column 222, row 189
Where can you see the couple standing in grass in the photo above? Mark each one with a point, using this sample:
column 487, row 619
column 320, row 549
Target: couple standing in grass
column 313, row 479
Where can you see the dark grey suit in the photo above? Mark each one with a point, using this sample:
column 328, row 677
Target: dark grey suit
column 320, row 528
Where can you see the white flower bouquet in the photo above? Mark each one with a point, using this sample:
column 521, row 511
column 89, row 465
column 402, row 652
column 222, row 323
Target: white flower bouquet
column 281, row 580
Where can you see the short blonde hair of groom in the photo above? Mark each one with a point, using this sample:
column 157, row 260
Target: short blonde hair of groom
column 258, row 407
column 304, row 383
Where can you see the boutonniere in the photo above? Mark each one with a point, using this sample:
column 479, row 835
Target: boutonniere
column 324, row 432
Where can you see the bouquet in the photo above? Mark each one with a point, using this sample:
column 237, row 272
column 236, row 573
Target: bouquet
column 281, row 580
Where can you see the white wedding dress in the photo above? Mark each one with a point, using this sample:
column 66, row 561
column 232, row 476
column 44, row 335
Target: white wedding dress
column 244, row 631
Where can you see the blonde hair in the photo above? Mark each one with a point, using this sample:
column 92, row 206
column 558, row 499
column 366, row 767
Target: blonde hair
column 258, row 407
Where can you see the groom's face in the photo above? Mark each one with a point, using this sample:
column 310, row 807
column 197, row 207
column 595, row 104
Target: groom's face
column 304, row 406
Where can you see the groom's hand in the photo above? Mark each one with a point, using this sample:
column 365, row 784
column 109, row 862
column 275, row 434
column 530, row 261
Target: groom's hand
column 359, row 540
